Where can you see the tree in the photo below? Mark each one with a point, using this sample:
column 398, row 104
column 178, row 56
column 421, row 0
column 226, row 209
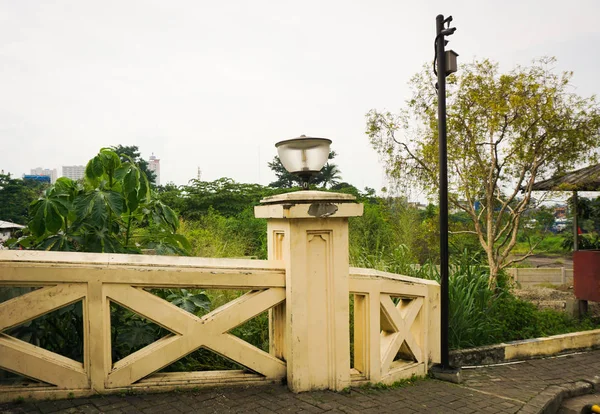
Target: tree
column 171, row 195
column 505, row 131
column 329, row 175
column 284, row 178
column 112, row 210
column 227, row 197
column 15, row 197
column 132, row 152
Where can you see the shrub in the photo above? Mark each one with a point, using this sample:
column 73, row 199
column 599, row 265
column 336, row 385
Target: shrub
column 522, row 320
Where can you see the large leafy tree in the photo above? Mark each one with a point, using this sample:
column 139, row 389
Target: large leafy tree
column 505, row 131
column 113, row 210
column 227, row 197
column 15, row 197
column 132, row 152
column 329, row 175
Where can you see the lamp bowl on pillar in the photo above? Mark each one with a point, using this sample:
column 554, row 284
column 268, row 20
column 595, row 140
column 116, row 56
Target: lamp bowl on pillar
column 304, row 156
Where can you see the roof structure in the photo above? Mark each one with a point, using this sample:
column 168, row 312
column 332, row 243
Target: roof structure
column 9, row 225
column 584, row 179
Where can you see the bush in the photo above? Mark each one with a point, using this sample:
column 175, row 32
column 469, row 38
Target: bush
column 477, row 315
column 214, row 235
column 522, row 320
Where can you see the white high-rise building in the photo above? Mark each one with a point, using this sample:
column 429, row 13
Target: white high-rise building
column 45, row 171
column 154, row 165
column 74, row 172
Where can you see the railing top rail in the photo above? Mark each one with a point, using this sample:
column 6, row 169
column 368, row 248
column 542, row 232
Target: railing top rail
column 41, row 268
column 111, row 260
column 362, row 273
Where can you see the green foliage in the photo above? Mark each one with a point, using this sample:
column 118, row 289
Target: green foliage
column 584, row 242
column 391, row 232
column 15, row 197
column 171, row 195
column 471, row 304
column 385, row 231
column 478, row 315
column 214, row 235
column 588, row 219
column 113, row 210
column 189, row 301
column 370, row 387
column 224, row 196
column 549, row 244
column 505, row 131
column 519, row 319
column 284, row 178
column 132, row 152
column 60, row 331
column 131, row 332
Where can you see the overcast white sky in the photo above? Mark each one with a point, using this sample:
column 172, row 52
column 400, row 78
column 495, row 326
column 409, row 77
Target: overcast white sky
column 214, row 84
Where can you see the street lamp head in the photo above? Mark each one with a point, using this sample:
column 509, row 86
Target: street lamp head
column 449, row 31
column 304, row 156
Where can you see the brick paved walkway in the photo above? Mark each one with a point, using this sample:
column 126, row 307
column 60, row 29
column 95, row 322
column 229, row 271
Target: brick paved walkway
column 521, row 387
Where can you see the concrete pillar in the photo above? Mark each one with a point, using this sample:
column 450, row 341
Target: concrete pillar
column 308, row 230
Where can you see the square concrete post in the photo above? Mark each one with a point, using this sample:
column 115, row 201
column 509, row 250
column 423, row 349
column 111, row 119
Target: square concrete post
column 308, row 230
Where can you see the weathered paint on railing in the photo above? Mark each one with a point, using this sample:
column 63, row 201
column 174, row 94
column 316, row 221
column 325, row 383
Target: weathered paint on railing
column 97, row 280
column 396, row 325
column 305, row 286
column 383, row 329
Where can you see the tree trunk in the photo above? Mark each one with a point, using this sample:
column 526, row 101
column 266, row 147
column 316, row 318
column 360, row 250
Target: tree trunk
column 493, row 279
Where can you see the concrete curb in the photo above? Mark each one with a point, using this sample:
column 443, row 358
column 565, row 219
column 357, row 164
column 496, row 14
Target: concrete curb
column 549, row 400
column 527, row 349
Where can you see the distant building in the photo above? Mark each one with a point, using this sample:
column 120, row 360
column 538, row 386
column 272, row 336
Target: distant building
column 560, row 212
column 417, row 205
column 7, row 229
column 154, row 166
column 40, row 178
column 45, row 171
column 74, row 172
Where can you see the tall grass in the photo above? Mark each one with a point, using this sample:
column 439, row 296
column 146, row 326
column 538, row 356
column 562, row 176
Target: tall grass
column 471, row 319
column 477, row 315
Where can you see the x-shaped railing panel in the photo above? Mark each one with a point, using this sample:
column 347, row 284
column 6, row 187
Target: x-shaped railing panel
column 30, row 360
column 191, row 333
column 396, row 323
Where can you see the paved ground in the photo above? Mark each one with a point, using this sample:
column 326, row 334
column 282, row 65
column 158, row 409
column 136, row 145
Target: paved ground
column 574, row 405
column 522, row 387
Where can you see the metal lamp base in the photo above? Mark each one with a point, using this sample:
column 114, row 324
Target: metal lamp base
column 449, row 374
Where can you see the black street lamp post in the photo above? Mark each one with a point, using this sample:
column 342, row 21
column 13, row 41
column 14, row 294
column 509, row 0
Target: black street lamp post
column 446, row 64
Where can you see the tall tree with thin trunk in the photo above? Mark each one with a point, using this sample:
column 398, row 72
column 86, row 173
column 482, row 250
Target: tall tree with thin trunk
column 505, row 131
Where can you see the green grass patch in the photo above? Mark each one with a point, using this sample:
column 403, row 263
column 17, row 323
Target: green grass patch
column 380, row 386
column 549, row 245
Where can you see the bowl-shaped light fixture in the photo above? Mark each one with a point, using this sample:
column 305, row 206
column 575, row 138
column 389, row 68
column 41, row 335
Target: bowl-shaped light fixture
column 304, row 156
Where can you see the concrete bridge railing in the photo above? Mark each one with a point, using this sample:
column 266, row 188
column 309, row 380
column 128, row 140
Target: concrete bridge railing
column 306, row 286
